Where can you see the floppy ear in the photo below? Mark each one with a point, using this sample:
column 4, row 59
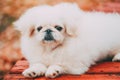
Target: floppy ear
column 71, row 17
column 24, row 27
column 70, row 29
column 72, row 24
column 24, row 24
column 18, row 25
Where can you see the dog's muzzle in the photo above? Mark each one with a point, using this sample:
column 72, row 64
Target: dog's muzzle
column 48, row 35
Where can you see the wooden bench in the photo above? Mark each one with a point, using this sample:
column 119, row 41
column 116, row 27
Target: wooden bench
column 102, row 71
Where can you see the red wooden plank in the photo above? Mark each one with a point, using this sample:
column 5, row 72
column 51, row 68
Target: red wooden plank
column 87, row 77
column 104, row 67
column 16, row 77
column 19, row 67
column 67, row 77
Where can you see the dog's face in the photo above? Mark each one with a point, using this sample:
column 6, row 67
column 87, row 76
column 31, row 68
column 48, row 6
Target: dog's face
column 48, row 25
column 54, row 32
column 49, row 33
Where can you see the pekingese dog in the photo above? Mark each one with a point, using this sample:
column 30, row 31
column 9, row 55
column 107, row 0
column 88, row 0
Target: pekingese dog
column 62, row 39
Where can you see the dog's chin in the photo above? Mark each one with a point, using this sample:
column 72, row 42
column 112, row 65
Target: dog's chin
column 50, row 43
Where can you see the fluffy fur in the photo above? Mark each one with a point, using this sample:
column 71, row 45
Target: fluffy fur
column 86, row 37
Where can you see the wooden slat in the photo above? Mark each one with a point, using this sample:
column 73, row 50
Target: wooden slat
column 16, row 77
column 19, row 67
column 87, row 77
column 104, row 67
column 67, row 77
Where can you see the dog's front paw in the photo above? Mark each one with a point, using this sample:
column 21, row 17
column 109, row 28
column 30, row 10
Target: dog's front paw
column 35, row 71
column 54, row 71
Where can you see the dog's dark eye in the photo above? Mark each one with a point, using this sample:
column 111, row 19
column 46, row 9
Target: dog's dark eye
column 59, row 28
column 39, row 28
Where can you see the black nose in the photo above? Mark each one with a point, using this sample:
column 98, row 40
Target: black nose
column 48, row 37
column 48, row 31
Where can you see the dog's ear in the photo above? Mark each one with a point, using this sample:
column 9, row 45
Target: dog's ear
column 70, row 29
column 24, row 24
column 18, row 25
column 71, row 17
column 24, row 27
column 72, row 24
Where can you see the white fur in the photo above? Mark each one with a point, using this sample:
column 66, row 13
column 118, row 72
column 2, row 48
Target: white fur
column 97, row 35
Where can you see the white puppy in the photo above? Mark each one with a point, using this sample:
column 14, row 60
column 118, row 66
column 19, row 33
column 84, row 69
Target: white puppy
column 63, row 39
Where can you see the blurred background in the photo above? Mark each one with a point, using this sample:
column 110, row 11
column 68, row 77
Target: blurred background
column 10, row 10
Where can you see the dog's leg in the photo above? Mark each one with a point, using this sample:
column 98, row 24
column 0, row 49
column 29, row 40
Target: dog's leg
column 54, row 71
column 116, row 57
column 35, row 70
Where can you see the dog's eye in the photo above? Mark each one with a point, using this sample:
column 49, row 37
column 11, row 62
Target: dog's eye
column 59, row 28
column 39, row 28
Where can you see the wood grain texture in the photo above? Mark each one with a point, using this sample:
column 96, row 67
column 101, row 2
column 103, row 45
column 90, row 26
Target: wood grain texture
column 101, row 71
column 104, row 67
column 67, row 77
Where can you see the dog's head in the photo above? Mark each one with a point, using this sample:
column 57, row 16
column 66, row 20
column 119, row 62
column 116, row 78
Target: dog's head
column 49, row 25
